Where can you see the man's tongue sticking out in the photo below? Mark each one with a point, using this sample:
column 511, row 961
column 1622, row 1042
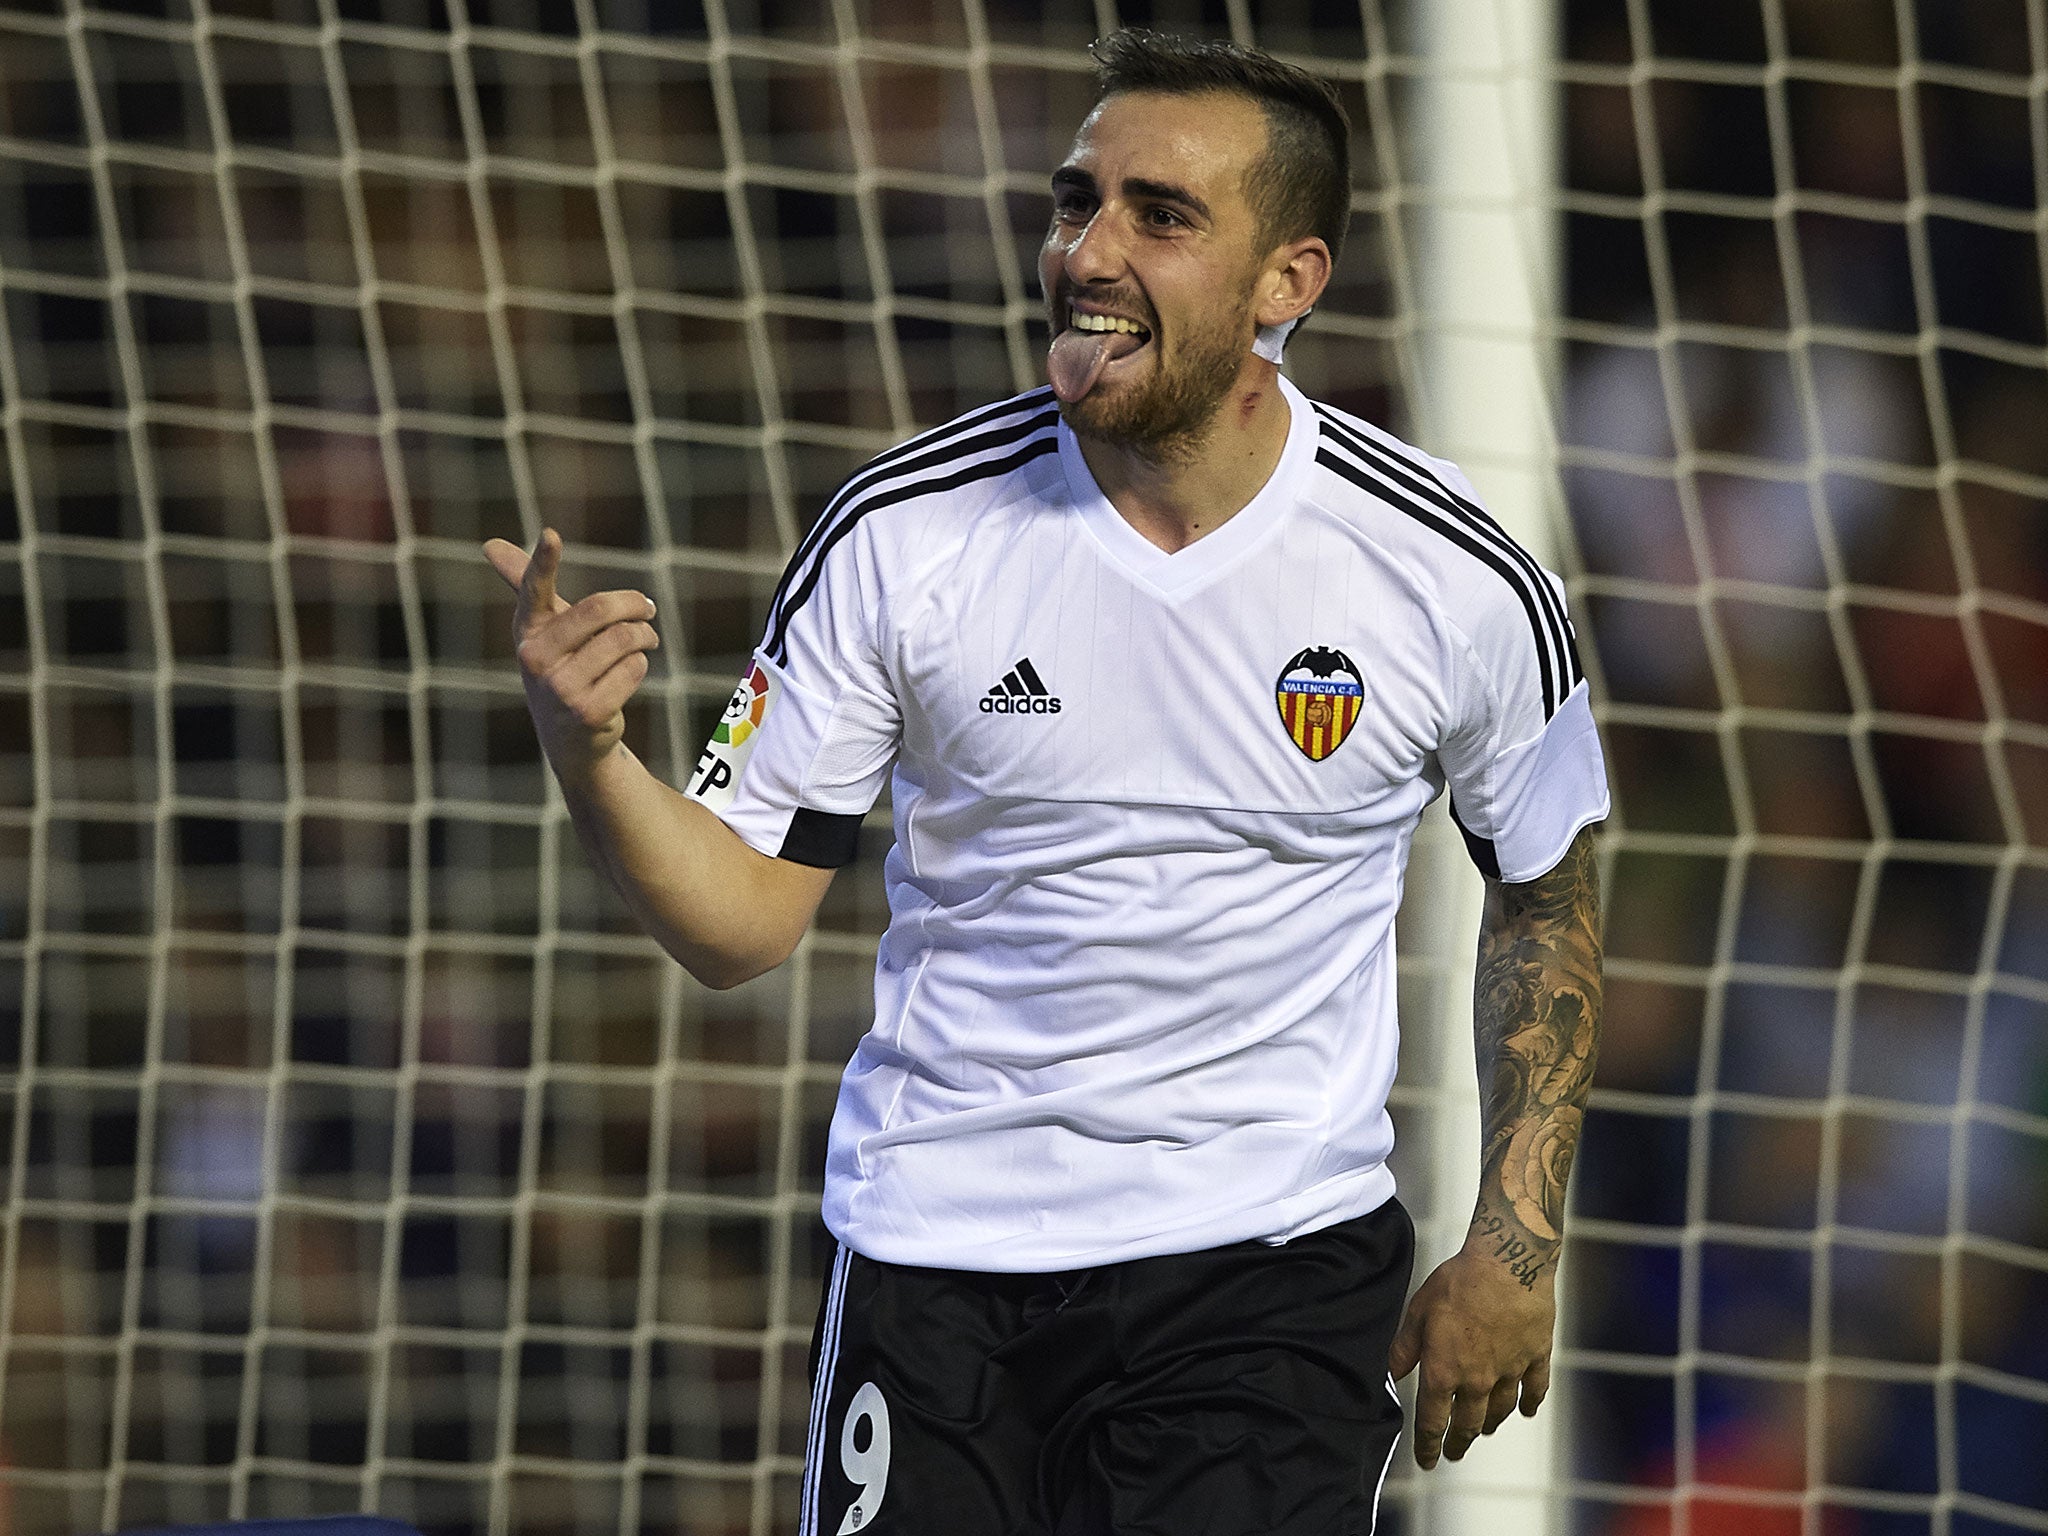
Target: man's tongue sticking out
column 1078, row 357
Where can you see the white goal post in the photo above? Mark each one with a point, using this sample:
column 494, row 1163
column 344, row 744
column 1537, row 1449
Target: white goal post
column 359, row 1154
column 1486, row 253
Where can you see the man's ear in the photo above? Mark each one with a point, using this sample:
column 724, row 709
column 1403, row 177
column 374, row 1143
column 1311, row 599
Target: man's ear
column 1293, row 279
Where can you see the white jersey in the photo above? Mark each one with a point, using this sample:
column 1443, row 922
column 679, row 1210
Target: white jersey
column 1152, row 811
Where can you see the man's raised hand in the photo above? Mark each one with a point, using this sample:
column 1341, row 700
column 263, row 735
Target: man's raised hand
column 580, row 661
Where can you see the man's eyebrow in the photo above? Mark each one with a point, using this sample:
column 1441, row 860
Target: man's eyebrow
column 1165, row 192
column 1073, row 178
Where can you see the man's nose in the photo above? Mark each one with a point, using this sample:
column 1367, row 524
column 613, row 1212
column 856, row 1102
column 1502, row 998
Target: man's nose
column 1097, row 253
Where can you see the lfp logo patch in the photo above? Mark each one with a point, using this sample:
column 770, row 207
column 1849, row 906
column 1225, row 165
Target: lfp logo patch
column 717, row 775
column 743, row 711
column 1320, row 693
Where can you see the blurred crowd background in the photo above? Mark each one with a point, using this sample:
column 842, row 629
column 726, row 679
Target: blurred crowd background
column 1824, row 645
column 357, row 1151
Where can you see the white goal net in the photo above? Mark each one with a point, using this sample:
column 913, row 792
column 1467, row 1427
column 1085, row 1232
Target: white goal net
column 356, row 1153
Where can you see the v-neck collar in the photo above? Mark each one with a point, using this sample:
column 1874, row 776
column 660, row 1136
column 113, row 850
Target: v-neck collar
column 1181, row 572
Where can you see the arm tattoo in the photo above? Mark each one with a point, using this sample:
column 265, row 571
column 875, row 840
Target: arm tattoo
column 1536, row 1007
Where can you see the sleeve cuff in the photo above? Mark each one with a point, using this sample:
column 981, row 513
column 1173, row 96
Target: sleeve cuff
column 821, row 839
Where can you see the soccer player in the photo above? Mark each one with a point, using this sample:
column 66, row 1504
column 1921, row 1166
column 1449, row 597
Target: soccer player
column 1163, row 663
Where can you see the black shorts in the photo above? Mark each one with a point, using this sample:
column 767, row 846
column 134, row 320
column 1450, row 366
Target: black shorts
column 1240, row 1391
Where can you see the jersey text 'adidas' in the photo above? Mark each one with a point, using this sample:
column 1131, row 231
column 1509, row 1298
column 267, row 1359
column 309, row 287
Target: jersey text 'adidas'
column 1021, row 692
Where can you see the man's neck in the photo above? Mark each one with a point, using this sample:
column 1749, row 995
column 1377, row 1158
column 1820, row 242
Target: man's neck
column 1176, row 498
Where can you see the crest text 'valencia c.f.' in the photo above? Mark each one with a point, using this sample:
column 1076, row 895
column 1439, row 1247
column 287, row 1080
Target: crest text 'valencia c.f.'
column 1320, row 693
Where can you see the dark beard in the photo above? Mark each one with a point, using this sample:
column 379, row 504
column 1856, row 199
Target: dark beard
column 1167, row 419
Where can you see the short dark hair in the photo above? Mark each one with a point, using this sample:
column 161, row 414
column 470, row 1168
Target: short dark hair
column 1301, row 185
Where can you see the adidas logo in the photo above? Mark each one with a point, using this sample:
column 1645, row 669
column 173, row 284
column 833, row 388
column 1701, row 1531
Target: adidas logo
column 1021, row 692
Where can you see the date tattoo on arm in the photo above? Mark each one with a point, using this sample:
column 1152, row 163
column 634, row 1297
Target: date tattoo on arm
column 1536, row 1009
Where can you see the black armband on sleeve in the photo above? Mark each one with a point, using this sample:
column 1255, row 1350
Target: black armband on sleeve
column 1484, row 854
column 821, row 839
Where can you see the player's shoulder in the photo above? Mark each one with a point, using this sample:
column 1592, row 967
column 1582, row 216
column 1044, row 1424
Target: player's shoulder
column 977, row 458
column 1421, row 509
column 1373, row 477
column 900, row 510
column 1426, row 514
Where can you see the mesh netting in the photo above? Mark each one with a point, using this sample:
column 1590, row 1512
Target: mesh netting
column 359, row 1152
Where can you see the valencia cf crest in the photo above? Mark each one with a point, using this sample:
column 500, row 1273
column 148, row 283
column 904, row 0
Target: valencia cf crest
column 1320, row 693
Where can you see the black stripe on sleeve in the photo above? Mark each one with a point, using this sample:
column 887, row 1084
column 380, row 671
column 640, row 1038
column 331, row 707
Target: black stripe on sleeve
column 778, row 633
column 821, row 839
column 1419, row 481
column 1424, row 482
column 941, row 446
column 1463, row 537
column 890, row 459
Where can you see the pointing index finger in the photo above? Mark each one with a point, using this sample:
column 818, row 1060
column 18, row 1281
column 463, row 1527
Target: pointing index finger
column 537, row 587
